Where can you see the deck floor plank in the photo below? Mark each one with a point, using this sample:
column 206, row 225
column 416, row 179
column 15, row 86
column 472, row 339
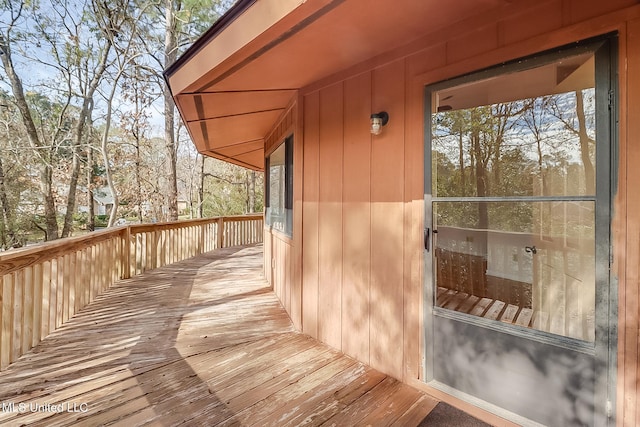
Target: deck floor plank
column 200, row 342
column 392, row 409
column 315, row 413
column 417, row 412
column 365, row 404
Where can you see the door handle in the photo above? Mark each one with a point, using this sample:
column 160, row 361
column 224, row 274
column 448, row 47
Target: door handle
column 531, row 249
column 427, row 238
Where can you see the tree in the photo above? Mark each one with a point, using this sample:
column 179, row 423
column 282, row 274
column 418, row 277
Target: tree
column 586, row 142
column 183, row 21
column 8, row 234
column 87, row 65
column 497, row 165
column 72, row 50
column 42, row 150
column 136, row 90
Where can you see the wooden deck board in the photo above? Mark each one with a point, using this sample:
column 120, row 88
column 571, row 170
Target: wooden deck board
column 201, row 342
column 365, row 404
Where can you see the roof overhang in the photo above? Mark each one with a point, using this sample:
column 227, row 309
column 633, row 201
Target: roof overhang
column 237, row 80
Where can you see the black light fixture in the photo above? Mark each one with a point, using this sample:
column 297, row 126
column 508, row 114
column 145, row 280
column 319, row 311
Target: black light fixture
column 377, row 121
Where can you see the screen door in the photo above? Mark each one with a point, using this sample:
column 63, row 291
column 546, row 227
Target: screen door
column 517, row 202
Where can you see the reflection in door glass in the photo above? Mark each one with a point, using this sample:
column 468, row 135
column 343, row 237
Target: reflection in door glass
column 530, row 133
column 528, row 138
column 532, row 265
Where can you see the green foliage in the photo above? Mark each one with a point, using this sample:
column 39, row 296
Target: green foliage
column 101, row 220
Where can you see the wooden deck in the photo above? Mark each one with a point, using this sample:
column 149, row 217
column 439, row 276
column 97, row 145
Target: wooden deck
column 201, row 342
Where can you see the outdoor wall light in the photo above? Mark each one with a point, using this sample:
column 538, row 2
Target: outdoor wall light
column 377, row 121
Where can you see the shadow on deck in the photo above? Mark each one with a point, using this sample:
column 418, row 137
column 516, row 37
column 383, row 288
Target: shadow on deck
column 200, row 342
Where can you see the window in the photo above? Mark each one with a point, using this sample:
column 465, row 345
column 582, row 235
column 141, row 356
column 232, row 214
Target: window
column 279, row 191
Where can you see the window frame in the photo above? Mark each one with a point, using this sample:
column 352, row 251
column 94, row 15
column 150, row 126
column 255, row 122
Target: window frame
column 287, row 229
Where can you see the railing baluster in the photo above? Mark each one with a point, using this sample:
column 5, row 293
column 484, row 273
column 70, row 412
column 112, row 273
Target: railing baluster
column 16, row 340
column 27, row 309
column 46, row 297
column 71, row 286
column 105, row 266
column 37, row 304
column 77, row 288
column 92, row 272
column 6, row 328
column 53, row 295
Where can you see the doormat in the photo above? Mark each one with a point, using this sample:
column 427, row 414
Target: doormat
column 446, row 415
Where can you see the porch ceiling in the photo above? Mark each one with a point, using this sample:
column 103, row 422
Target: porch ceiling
column 236, row 81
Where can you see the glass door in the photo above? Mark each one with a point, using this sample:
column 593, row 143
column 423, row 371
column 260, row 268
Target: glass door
column 516, row 238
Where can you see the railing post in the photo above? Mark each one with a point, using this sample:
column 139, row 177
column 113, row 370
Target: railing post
column 220, row 232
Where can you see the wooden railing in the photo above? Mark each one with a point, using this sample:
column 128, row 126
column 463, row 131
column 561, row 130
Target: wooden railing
column 41, row 287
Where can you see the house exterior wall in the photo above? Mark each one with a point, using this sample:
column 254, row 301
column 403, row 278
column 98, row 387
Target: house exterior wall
column 354, row 210
column 351, row 275
column 281, row 256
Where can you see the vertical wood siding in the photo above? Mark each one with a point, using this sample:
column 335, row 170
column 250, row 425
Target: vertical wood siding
column 356, row 211
column 387, row 230
column 279, row 264
column 283, row 257
column 310, row 197
column 357, row 219
column 361, row 203
column 330, row 216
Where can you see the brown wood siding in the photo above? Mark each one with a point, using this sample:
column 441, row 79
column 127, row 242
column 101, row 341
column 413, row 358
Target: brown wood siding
column 362, row 196
column 356, row 211
column 310, row 196
column 280, row 264
column 387, row 231
column 296, row 261
column 358, row 287
column 281, row 254
column 281, row 130
column 268, row 269
column 330, row 216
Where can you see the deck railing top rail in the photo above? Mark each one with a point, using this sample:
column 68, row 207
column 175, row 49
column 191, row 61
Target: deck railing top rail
column 16, row 259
